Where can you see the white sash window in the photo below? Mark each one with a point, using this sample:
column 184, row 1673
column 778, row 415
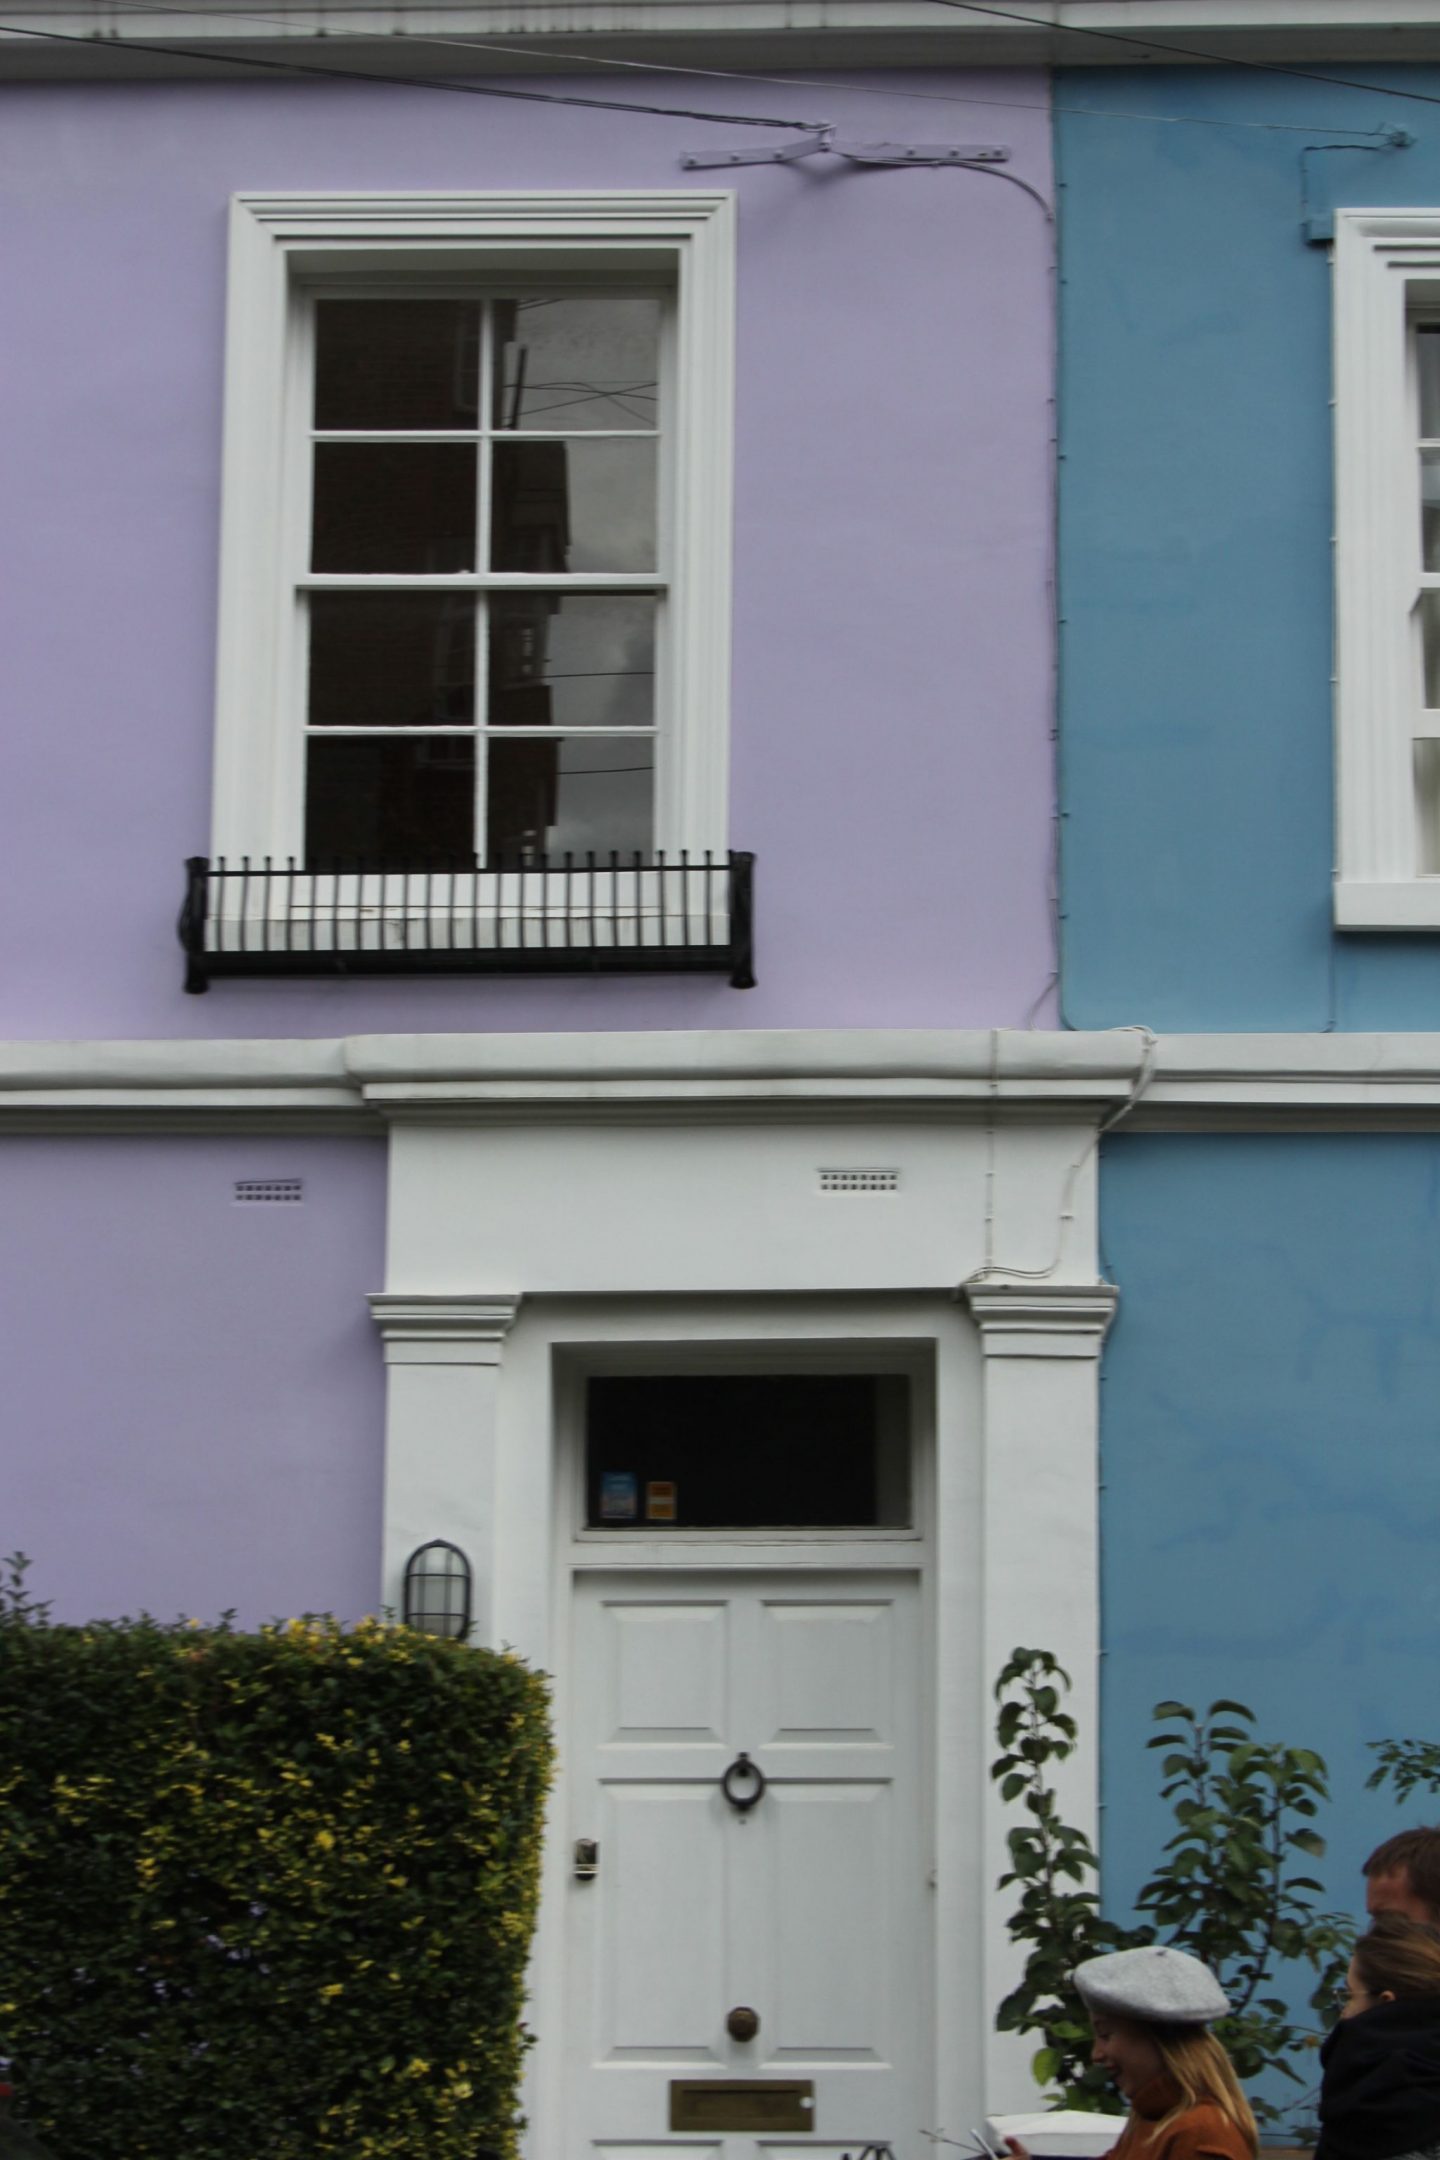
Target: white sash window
column 1387, row 546
column 474, row 582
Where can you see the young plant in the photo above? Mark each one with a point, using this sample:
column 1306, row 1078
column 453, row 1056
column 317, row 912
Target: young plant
column 1408, row 1765
column 1224, row 1889
column 1055, row 1867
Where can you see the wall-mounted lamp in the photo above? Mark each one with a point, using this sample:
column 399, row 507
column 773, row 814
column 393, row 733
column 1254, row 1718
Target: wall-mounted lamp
column 438, row 1582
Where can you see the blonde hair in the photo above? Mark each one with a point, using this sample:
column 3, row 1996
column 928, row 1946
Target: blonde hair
column 1202, row 2070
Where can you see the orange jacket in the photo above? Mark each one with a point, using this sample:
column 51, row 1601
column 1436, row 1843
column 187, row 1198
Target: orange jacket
column 1204, row 2132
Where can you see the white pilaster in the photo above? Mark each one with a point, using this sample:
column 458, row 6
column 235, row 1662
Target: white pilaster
column 1041, row 1345
column 442, row 1357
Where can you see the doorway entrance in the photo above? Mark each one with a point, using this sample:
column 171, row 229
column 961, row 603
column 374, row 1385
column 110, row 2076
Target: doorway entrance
column 749, row 1884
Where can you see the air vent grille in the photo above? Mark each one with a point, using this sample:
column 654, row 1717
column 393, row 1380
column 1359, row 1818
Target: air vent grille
column 266, row 1191
column 859, row 1181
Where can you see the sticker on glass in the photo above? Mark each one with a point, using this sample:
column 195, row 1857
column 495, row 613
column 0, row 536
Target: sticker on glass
column 661, row 1500
column 619, row 1496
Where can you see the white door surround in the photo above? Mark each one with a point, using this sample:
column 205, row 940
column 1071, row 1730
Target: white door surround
column 1012, row 1523
column 529, row 1249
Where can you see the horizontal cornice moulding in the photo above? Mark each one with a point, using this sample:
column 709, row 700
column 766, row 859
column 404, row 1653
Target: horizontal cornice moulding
column 105, row 1086
column 360, row 1083
column 805, row 1065
column 47, row 39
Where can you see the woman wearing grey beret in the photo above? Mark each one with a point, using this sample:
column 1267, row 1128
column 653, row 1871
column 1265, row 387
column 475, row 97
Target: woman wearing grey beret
column 1148, row 2012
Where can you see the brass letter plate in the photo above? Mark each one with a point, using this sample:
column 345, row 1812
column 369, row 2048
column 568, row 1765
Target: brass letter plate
column 742, row 2104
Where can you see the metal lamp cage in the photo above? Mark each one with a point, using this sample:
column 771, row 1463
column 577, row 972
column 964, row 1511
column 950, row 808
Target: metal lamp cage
column 438, row 1584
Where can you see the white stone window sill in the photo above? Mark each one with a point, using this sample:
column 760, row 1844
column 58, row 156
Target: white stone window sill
column 1383, row 904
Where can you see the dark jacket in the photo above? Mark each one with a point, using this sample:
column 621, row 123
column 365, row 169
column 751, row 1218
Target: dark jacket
column 1380, row 2093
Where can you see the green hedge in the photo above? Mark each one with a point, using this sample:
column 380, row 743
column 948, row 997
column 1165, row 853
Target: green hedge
column 265, row 1896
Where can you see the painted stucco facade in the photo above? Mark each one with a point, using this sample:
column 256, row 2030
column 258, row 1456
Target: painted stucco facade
column 890, row 737
column 194, row 1397
column 1268, row 1499
column 506, row 1187
column 904, row 1146
column 1271, row 1496
column 1197, row 513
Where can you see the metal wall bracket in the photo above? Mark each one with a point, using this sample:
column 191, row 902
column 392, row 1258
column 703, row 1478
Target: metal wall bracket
column 787, row 154
column 892, row 153
column 823, row 144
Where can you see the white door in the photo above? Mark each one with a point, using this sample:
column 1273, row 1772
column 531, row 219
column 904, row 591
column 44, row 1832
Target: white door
column 807, row 1908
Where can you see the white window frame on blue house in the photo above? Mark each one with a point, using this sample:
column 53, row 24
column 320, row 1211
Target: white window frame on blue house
column 284, row 247
column 1387, row 274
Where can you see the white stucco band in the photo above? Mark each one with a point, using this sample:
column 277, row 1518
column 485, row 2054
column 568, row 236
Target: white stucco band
column 361, row 1083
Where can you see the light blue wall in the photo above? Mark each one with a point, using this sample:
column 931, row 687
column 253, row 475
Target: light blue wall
column 1270, row 1437
column 1195, row 546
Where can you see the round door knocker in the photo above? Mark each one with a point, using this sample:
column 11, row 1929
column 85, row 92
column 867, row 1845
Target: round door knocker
column 743, row 1769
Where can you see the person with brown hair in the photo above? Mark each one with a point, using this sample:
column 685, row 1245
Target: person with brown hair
column 1380, row 2092
column 1148, row 2012
column 1403, row 1875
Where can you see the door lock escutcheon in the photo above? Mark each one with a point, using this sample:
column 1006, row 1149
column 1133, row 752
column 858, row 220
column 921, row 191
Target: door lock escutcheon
column 587, row 1858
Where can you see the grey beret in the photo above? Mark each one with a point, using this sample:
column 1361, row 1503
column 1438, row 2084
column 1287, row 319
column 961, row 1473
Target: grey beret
column 1157, row 1985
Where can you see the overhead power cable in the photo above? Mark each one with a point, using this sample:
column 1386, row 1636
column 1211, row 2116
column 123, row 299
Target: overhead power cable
column 480, row 46
column 810, row 82
column 406, row 82
column 1187, row 52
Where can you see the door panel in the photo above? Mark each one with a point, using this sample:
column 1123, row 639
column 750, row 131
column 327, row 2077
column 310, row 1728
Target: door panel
column 666, row 1665
column 824, row 1669
column 809, row 1907
column 826, row 1917
column 662, row 1864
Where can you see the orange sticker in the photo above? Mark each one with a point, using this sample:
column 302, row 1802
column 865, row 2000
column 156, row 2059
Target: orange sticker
column 661, row 1500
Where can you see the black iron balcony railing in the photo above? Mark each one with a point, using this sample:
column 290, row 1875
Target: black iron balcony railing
column 571, row 915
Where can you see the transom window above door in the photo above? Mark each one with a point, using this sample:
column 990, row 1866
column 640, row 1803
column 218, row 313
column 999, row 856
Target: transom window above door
column 507, row 446
column 748, row 1451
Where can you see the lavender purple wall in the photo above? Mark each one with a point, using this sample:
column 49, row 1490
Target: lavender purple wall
column 892, row 682
column 193, row 1390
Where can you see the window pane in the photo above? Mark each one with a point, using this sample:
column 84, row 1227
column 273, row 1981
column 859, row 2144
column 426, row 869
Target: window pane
column 397, row 363
column 1430, row 641
column 393, row 800
column 1430, row 507
column 1427, row 804
column 748, row 1451
column 571, row 794
column 530, row 520
column 394, row 506
column 574, row 506
column 578, row 661
column 579, row 361
column 1427, row 352
column 392, row 660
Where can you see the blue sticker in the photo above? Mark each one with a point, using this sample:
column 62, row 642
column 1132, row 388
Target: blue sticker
column 619, row 1496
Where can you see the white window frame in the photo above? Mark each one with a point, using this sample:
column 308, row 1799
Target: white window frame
column 278, row 242
column 1386, row 270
